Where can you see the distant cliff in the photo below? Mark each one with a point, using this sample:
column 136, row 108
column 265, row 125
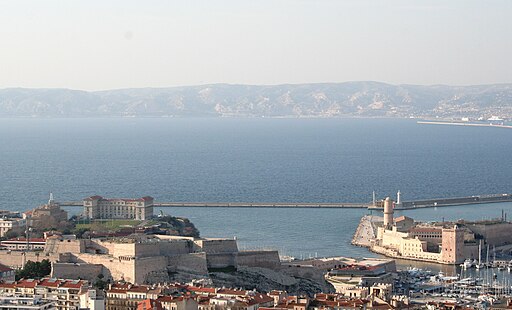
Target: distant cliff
column 351, row 99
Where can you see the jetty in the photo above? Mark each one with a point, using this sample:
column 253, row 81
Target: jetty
column 465, row 124
column 243, row 204
column 404, row 205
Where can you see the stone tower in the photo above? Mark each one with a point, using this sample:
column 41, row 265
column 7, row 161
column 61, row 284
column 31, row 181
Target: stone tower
column 452, row 246
column 388, row 213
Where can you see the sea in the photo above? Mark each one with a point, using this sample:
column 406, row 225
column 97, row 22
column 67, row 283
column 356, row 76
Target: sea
column 258, row 160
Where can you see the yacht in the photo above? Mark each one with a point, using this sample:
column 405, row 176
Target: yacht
column 467, row 264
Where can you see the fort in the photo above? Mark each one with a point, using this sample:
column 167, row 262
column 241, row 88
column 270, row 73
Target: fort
column 140, row 258
column 440, row 242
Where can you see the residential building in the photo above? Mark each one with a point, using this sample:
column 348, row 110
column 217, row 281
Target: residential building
column 92, row 299
column 21, row 244
column 62, row 294
column 7, row 273
column 25, row 303
column 10, row 220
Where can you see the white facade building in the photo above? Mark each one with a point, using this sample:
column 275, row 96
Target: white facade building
column 26, row 303
column 97, row 207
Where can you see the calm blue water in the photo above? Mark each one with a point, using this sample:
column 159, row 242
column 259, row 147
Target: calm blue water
column 324, row 160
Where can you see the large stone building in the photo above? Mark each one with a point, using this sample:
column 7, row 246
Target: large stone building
column 97, row 207
column 442, row 243
column 47, row 215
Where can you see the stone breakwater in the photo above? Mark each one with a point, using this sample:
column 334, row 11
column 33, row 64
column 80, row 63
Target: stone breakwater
column 366, row 231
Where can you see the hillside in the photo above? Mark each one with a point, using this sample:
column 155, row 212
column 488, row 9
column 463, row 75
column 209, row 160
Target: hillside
column 351, row 99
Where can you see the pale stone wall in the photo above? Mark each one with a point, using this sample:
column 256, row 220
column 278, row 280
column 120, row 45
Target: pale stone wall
column 146, row 265
column 496, row 234
column 412, row 246
column 123, row 249
column 174, row 247
column 308, row 272
column 471, row 250
column 54, row 245
column 265, row 259
column 76, row 271
column 392, row 238
column 104, row 247
column 220, row 260
column 115, row 268
column 216, row 245
column 15, row 259
column 193, row 263
column 149, row 249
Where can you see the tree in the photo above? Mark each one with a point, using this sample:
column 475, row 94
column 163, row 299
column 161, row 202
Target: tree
column 100, row 283
column 34, row 270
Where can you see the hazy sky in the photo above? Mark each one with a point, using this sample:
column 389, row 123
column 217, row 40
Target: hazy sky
column 103, row 44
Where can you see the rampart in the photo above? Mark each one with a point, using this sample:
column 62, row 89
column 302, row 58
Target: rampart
column 143, row 258
column 14, row 259
column 71, row 270
column 265, row 259
column 494, row 233
column 216, row 245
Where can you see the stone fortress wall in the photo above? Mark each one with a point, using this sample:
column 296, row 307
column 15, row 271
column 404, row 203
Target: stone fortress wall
column 140, row 260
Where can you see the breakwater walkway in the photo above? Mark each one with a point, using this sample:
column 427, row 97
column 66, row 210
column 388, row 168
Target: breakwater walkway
column 242, row 204
column 405, row 205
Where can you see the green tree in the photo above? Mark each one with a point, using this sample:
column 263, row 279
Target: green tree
column 34, row 270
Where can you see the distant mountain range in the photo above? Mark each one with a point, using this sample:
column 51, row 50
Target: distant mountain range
column 351, row 99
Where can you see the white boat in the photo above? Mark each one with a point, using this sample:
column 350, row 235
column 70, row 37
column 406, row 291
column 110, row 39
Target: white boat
column 467, row 264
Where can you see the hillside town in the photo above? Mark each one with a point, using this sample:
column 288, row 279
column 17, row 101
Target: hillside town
column 119, row 255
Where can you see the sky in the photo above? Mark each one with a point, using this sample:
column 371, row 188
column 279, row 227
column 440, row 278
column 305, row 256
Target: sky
column 97, row 44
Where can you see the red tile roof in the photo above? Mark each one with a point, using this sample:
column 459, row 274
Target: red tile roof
column 28, row 283
column 73, row 284
column 4, row 268
column 165, row 299
column 149, row 304
column 50, row 283
column 7, row 284
column 197, row 289
column 225, row 291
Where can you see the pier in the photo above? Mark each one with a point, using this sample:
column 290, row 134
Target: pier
column 404, row 205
